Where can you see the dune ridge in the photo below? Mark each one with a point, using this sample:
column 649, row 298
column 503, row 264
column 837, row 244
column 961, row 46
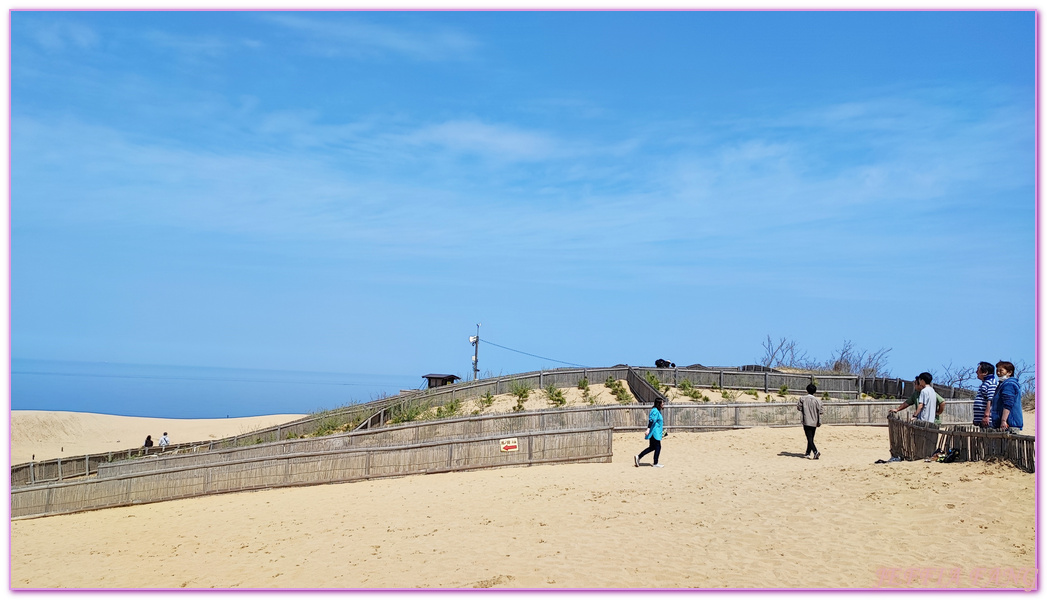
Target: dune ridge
column 732, row 509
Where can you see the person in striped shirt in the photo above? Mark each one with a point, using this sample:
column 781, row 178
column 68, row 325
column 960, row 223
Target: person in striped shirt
column 987, row 373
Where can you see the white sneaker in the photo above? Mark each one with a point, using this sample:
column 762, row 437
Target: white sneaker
column 636, row 460
column 659, row 466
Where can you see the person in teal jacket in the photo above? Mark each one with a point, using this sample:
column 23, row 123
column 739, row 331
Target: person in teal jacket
column 653, row 435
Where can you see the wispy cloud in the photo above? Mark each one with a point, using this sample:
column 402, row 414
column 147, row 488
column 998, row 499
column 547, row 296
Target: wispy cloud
column 338, row 35
column 60, row 35
column 201, row 46
column 499, row 142
column 733, row 194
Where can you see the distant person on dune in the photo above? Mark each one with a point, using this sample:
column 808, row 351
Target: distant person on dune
column 654, row 434
column 811, row 409
column 148, row 441
column 164, row 442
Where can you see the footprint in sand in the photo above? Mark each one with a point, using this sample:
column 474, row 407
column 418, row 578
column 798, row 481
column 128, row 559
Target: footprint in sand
column 498, row 580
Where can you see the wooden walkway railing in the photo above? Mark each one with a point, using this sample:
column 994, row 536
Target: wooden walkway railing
column 372, row 414
column 312, row 468
column 684, row 416
column 916, row 440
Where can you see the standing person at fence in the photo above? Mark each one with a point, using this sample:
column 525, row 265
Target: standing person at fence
column 164, row 442
column 811, row 409
column 983, row 399
column 654, row 434
column 148, row 442
column 925, row 399
column 1006, row 407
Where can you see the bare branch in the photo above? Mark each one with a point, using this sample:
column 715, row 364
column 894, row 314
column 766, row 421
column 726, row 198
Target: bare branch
column 957, row 377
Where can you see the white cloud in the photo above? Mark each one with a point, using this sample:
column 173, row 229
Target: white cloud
column 58, row 35
column 498, row 142
column 338, row 35
column 203, row 46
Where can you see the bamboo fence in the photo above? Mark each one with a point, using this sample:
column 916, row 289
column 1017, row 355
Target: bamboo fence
column 684, row 416
column 311, row 468
column 377, row 413
column 916, row 440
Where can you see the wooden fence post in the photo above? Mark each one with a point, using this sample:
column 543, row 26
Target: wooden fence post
column 59, row 468
column 87, row 465
column 765, row 382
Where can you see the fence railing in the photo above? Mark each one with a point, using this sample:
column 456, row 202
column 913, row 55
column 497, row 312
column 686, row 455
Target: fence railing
column 312, row 468
column 916, row 440
column 682, row 416
column 375, row 413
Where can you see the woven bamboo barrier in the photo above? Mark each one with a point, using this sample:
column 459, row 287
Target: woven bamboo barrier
column 311, row 468
column 681, row 416
column 916, row 440
column 372, row 415
column 618, row 417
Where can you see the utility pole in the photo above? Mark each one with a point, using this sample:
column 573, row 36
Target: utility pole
column 475, row 341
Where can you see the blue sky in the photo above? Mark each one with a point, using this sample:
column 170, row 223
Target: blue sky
column 353, row 191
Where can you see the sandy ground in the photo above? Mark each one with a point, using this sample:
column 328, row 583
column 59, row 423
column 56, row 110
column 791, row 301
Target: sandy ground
column 731, row 509
column 54, row 434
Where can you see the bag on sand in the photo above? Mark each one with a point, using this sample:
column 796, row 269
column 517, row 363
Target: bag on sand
column 949, row 456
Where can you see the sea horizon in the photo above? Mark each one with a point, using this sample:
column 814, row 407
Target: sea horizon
column 190, row 392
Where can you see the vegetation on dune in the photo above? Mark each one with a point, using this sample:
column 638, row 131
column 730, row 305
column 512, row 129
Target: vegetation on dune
column 407, row 412
column 586, row 393
column 652, row 379
column 688, row 389
column 618, row 390
column 555, row 396
column 521, row 391
column 332, row 422
column 451, row 409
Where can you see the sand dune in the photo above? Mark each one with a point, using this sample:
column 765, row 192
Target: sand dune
column 56, row 434
column 732, row 509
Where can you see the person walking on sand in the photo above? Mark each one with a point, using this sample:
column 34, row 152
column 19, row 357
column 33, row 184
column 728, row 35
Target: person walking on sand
column 653, row 435
column 811, row 409
column 164, row 442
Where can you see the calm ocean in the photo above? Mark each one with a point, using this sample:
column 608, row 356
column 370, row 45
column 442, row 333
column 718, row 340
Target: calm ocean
column 189, row 392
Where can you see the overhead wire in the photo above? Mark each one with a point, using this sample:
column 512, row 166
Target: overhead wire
column 534, row 355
